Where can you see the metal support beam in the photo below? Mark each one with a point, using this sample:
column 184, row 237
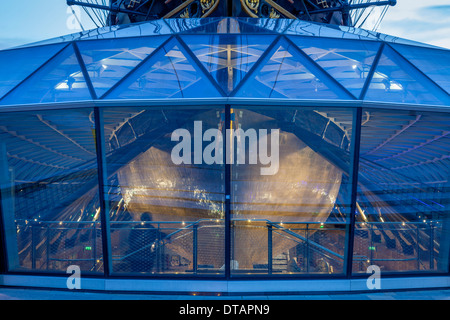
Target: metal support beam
column 354, row 169
column 103, row 193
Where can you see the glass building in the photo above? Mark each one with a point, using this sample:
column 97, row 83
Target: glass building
column 352, row 130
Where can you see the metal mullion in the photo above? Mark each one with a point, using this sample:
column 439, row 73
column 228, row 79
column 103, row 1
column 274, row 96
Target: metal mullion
column 200, row 66
column 35, row 71
column 104, row 205
column 419, row 70
column 325, row 73
column 372, row 71
column 86, row 76
column 118, row 83
column 255, row 66
column 3, row 249
column 227, row 165
column 354, row 170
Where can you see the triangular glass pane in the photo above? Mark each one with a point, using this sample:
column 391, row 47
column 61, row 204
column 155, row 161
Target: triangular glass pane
column 228, row 58
column 241, row 26
column 147, row 28
column 108, row 61
column 272, row 25
column 306, row 28
column 227, row 25
column 434, row 63
column 348, row 61
column 395, row 80
column 201, row 26
column 197, row 25
column 61, row 79
column 16, row 65
column 169, row 73
column 287, row 73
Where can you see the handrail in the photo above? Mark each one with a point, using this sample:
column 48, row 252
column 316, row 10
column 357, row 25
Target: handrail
column 307, row 240
column 167, row 236
column 190, row 225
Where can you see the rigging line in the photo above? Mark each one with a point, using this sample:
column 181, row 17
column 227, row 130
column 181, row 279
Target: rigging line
column 381, row 18
column 76, row 17
column 92, row 19
column 95, row 11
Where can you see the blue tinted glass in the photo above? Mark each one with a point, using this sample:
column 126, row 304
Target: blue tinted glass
column 148, row 28
column 240, row 26
column 434, row 63
column 108, row 61
column 402, row 217
column 287, row 73
column 60, row 79
column 299, row 27
column 199, row 25
column 228, row 58
column 50, row 199
column 16, row 65
column 182, row 198
column 169, row 73
column 395, row 80
column 227, row 25
column 348, row 61
column 275, row 25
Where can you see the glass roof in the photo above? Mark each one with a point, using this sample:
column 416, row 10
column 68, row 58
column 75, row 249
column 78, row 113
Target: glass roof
column 229, row 57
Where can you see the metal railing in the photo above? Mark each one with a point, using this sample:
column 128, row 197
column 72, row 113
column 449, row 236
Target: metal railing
column 42, row 241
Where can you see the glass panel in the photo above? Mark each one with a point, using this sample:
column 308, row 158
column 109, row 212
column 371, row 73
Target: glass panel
column 275, row 25
column 228, row 58
column 16, row 65
column 49, row 191
column 59, row 80
column 349, row 62
column 108, row 61
column 289, row 209
column 166, row 202
column 169, row 73
column 287, row 73
column 403, row 221
column 148, row 28
column 395, row 80
column 434, row 63
column 304, row 28
column 197, row 24
column 226, row 25
column 239, row 26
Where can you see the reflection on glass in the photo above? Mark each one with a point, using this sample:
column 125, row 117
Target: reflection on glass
column 166, row 217
column 169, row 73
column 294, row 219
column 16, row 65
column 108, row 61
column 396, row 80
column 287, row 73
column 402, row 204
column 61, row 79
column 228, row 58
column 347, row 61
column 434, row 63
column 50, row 205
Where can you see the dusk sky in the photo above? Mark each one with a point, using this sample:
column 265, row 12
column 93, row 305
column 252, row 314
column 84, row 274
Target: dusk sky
column 29, row 21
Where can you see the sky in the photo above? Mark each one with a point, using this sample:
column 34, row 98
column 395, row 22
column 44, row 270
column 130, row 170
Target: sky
column 28, row 21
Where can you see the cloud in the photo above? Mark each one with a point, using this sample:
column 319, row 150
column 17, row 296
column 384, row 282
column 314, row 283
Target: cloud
column 411, row 19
